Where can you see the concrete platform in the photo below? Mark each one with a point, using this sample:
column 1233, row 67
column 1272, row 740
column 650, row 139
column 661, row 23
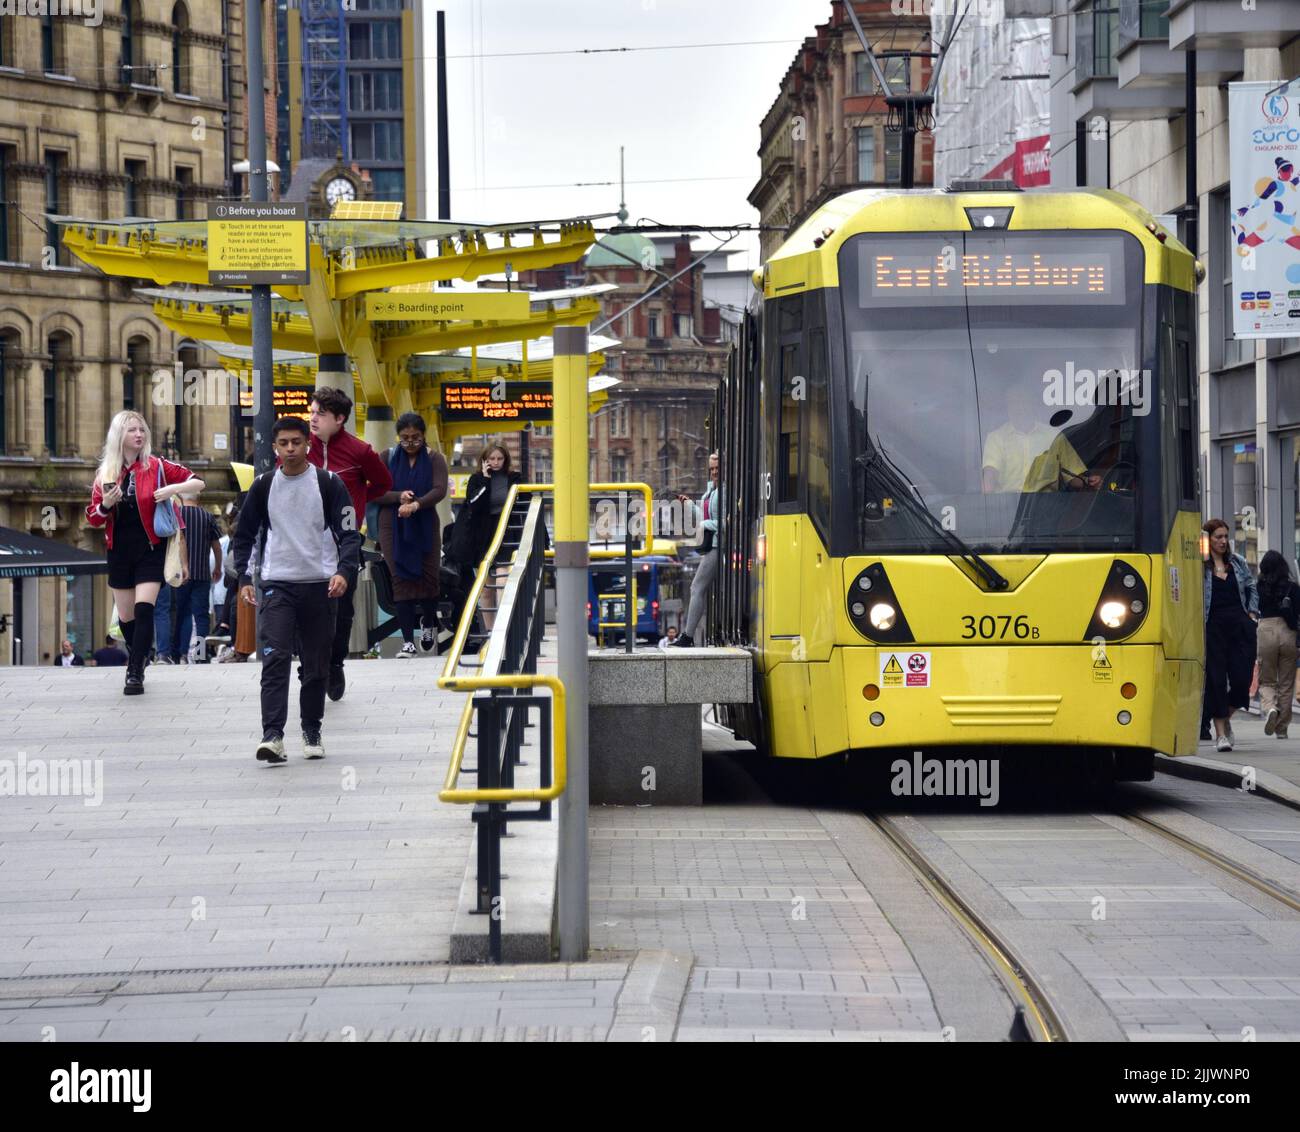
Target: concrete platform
column 1274, row 764
column 194, row 855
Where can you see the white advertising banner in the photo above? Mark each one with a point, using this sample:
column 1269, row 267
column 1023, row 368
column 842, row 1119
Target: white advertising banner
column 1264, row 151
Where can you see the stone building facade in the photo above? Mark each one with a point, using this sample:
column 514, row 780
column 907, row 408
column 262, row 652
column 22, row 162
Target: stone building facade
column 825, row 133
column 143, row 115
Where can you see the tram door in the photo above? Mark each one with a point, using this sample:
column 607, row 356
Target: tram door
column 787, row 393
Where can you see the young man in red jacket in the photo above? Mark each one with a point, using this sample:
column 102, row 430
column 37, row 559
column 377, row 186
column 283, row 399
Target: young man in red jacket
column 365, row 476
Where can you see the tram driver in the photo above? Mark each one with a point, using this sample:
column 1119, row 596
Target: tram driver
column 1025, row 454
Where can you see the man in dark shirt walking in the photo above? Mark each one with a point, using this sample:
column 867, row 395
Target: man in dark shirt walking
column 365, row 476
column 309, row 550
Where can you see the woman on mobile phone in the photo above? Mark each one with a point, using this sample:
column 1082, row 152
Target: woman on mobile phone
column 129, row 483
column 485, row 498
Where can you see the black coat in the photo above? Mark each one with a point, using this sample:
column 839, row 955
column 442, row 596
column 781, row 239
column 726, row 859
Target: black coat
column 478, row 510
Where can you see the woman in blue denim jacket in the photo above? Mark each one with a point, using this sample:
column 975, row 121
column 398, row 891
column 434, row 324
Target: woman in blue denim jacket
column 1231, row 611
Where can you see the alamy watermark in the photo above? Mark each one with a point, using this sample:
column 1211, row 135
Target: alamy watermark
column 180, row 386
column 946, row 778
column 89, row 12
column 1075, row 387
column 45, row 778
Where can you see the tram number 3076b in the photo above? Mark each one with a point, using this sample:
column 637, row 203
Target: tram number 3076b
column 999, row 628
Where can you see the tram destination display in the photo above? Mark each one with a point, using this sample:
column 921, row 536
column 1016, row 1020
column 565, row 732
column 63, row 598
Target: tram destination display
column 950, row 269
column 497, row 401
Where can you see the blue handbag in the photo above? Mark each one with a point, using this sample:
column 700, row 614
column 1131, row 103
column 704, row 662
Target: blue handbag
column 165, row 523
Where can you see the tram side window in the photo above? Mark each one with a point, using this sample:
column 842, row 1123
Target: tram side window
column 1184, row 361
column 787, row 456
column 818, row 451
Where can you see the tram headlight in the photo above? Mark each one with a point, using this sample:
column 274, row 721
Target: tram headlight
column 1121, row 606
column 1112, row 614
column 874, row 609
column 883, row 616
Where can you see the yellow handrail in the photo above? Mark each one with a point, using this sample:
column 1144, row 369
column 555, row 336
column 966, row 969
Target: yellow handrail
column 450, row 681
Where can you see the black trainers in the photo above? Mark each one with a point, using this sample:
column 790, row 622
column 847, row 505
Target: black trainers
column 683, row 642
column 337, row 682
column 271, row 749
column 312, row 747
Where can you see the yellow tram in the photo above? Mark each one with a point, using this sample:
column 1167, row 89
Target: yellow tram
column 960, row 480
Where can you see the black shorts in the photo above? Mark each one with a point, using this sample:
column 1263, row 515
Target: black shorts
column 130, row 566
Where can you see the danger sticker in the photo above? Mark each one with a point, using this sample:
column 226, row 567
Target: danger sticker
column 905, row 669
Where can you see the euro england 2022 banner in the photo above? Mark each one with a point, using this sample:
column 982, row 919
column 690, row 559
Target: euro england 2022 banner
column 1264, row 144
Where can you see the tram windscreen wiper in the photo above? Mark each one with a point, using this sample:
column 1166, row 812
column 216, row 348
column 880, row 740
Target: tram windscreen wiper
column 887, row 474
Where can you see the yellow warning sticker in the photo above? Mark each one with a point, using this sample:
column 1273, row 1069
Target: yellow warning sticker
column 891, row 672
column 1101, row 670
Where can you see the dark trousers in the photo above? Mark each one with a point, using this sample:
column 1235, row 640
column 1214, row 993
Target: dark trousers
column 1229, row 662
column 343, row 614
column 289, row 611
column 191, row 602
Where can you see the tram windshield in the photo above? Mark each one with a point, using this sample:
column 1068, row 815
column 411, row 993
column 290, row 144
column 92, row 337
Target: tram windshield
column 997, row 379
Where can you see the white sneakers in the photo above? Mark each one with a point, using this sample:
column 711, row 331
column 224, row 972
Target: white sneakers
column 1270, row 723
column 406, row 651
column 1224, row 744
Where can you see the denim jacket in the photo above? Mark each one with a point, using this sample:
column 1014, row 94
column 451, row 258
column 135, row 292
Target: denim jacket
column 1245, row 585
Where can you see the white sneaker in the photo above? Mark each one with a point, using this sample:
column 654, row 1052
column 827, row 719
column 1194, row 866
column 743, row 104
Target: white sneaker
column 312, row 747
column 406, row 652
column 1270, row 722
column 1224, row 744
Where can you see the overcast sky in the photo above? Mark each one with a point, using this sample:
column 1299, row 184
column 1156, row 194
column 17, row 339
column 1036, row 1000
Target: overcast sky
column 689, row 119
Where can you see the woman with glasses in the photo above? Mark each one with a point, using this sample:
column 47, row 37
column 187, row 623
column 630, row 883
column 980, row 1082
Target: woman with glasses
column 408, row 530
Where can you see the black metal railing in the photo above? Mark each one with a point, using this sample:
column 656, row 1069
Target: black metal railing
column 501, row 714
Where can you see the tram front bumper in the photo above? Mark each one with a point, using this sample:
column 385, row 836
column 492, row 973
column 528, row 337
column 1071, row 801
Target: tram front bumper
column 1126, row 696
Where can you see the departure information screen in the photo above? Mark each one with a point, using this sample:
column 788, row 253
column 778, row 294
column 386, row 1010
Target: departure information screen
column 1032, row 268
column 493, row 401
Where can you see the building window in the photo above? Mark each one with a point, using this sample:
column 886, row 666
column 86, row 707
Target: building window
column 184, row 193
column 6, row 43
column 388, row 184
column 866, row 154
column 618, row 420
column 893, row 158
column 618, row 467
column 378, row 40
column 1096, row 39
column 59, row 347
column 55, row 203
column 135, row 381
column 375, row 90
column 6, row 344
column 52, row 62
column 898, row 73
column 8, row 206
column 652, row 324
column 541, row 467
column 135, row 175
column 377, row 141
column 658, row 362
column 682, row 325
column 180, row 49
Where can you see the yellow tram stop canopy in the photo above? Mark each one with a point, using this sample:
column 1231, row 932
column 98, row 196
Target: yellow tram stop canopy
column 369, row 294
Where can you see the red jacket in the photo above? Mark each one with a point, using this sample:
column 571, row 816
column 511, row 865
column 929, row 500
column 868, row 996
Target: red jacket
column 358, row 465
column 146, row 483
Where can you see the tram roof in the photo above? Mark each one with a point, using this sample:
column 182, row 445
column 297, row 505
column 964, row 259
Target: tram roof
column 809, row 257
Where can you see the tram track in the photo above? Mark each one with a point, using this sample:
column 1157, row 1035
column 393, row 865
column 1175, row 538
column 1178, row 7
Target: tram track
column 1225, row 864
column 1041, row 1019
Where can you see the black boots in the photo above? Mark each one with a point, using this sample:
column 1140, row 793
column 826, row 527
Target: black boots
column 134, row 679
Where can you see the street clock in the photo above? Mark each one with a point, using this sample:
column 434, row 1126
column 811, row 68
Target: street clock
column 340, row 189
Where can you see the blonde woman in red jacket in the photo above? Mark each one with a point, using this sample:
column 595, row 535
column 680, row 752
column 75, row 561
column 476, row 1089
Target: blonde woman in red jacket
column 122, row 501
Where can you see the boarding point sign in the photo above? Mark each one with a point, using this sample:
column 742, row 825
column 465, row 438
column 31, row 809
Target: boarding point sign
column 1264, row 148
